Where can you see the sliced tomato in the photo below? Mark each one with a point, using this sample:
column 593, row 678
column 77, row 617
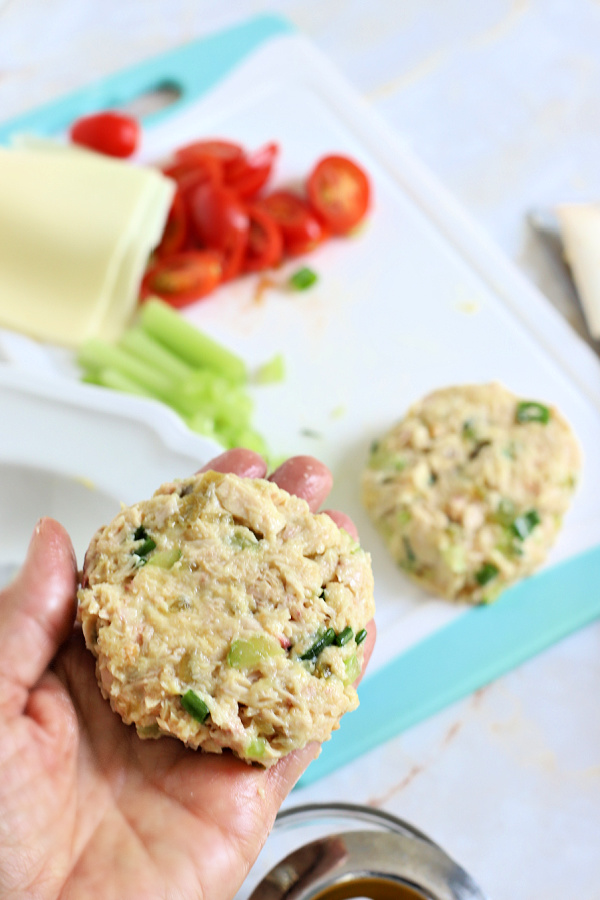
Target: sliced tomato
column 111, row 133
column 176, row 228
column 339, row 192
column 251, row 173
column 221, row 222
column 190, row 173
column 265, row 243
column 183, row 277
column 300, row 228
column 227, row 153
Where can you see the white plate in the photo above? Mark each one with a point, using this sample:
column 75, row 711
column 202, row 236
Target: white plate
column 76, row 453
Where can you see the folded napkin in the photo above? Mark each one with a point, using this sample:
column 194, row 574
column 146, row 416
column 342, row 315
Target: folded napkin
column 580, row 233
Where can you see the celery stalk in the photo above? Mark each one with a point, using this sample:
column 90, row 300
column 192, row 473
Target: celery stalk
column 144, row 346
column 97, row 354
column 111, row 378
column 160, row 321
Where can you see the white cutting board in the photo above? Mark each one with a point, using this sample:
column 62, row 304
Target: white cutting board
column 417, row 300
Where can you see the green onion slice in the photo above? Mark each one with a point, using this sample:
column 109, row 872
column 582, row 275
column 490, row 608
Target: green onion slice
column 344, row 636
column 146, row 547
column 523, row 525
column 195, row 706
column 327, row 638
column 530, row 411
column 361, row 636
column 303, row 279
column 486, row 573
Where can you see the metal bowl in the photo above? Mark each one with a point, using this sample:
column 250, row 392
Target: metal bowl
column 336, row 851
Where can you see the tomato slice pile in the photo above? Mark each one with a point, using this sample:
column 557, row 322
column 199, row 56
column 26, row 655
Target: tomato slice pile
column 223, row 222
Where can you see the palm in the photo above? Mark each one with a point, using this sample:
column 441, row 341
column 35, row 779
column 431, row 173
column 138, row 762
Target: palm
column 87, row 809
column 117, row 817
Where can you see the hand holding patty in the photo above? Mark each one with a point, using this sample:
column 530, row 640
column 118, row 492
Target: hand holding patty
column 86, row 807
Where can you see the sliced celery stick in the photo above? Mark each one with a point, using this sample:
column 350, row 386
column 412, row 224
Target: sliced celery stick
column 204, row 425
column 164, row 559
column 205, row 384
column 117, row 381
column 257, row 747
column 97, row 354
column 248, row 438
column 217, row 397
column 144, row 346
column 250, row 652
column 186, row 341
column 352, row 669
column 272, row 371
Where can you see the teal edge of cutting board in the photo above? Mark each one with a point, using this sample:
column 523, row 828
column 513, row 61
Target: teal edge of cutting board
column 470, row 652
column 191, row 69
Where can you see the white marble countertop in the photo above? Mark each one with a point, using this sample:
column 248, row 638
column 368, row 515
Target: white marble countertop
column 501, row 100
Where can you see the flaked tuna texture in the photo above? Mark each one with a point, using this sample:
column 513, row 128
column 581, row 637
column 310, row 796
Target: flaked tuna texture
column 225, row 613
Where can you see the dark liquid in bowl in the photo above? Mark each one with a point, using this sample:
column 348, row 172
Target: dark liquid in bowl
column 373, row 888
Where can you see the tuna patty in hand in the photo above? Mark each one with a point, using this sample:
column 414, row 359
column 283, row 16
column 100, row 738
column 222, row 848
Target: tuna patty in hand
column 225, row 613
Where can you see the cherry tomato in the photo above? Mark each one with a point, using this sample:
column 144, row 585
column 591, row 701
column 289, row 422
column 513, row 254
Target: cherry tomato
column 111, row 133
column 227, row 153
column 265, row 244
column 252, row 172
column 191, row 172
column 300, row 228
column 339, row 192
column 183, row 277
column 176, row 228
column 220, row 222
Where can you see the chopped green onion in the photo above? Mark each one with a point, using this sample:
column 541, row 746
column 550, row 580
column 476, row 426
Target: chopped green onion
column 344, row 636
column 146, row 547
column 311, row 433
column 403, row 517
column 361, row 636
column 486, row 573
column 195, row 706
column 187, row 342
column 468, row 430
column 530, row 411
column 327, row 638
column 504, row 513
column 410, row 553
column 523, row 525
column 303, row 279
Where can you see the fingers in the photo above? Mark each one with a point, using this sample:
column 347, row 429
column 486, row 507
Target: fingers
column 306, row 477
column 343, row 521
column 369, row 646
column 303, row 476
column 37, row 609
column 242, row 462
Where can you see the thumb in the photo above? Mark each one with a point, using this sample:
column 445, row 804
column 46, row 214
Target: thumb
column 37, row 609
